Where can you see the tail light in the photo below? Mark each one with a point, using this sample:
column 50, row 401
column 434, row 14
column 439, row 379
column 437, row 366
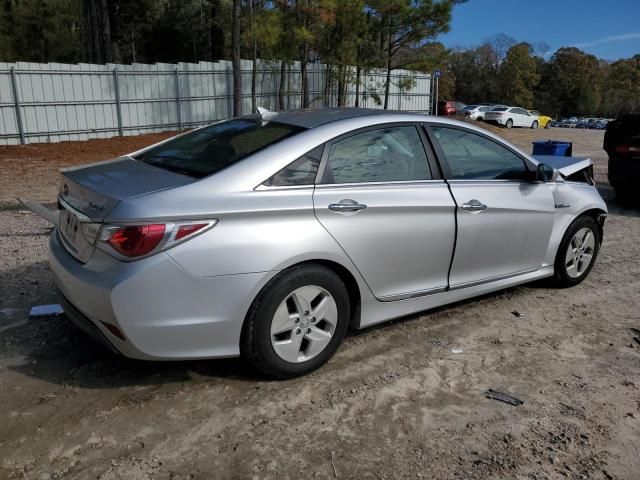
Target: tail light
column 131, row 242
column 627, row 149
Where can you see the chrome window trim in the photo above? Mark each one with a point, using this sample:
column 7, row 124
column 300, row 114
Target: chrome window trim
column 266, row 188
column 376, row 184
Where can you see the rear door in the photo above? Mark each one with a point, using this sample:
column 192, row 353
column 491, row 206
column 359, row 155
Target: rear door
column 504, row 221
column 384, row 201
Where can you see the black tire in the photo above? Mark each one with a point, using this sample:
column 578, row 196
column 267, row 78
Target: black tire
column 534, row 125
column 509, row 123
column 255, row 342
column 561, row 277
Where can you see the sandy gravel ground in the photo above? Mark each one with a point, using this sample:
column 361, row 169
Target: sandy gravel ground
column 395, row 402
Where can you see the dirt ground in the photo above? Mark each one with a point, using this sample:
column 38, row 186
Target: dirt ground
column 395, row 402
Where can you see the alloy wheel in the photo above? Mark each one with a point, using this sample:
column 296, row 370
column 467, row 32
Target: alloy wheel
column 304, row 324
column 580, row 252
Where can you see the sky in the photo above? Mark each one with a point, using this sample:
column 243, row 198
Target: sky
column 609, row 29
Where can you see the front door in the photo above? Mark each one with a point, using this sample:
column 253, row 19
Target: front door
column 504, row 220
column 391, row 216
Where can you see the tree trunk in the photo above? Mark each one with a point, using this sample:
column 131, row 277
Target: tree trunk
column 304, row 76
column 388, row 82
column 358, row 73
column 283, row 79
column 216, row 33
column 93, row 32
column 254, row 58
column 341, row 76
column 237, row 74
column 327, row 86
column 106, row 32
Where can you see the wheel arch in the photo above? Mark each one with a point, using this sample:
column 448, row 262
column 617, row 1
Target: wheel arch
column 349, row 279
column 599, row 216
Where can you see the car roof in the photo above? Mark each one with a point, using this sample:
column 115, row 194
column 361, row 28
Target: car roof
column 314, row 118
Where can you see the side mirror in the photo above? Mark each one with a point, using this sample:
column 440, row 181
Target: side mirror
column 545, row 173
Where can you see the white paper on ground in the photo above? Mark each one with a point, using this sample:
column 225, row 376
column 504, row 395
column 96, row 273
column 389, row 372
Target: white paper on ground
column 456, row 350
column 52, row 310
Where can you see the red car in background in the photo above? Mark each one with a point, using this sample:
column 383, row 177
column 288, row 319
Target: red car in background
column 449, row 107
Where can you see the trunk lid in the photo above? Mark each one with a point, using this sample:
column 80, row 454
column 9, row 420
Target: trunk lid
column 88, row 193
column 567, row 166
column 95, row 189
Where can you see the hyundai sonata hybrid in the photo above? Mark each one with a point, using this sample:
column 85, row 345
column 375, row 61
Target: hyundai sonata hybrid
column 269, row 235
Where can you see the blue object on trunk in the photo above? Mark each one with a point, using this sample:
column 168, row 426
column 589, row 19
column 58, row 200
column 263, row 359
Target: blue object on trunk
column 552, row 147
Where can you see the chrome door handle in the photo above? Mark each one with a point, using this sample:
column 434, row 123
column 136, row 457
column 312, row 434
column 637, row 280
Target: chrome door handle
column 474, row 206
column 347, row 205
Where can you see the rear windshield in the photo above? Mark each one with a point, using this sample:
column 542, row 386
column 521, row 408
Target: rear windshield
column 500, row 109
column 208, row 150
column 470, row 107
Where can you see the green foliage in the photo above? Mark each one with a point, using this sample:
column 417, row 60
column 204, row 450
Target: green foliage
column 518, row 76
column 343, row 34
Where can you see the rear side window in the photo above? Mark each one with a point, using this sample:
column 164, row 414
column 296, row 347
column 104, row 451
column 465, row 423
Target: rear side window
column 302, row 171
column 208, row 150
column 474, row 157
column 383, row 155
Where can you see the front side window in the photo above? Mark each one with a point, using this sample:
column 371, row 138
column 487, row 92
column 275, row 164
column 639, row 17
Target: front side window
column 383, row 155
column 208, row 150
column 473, row 157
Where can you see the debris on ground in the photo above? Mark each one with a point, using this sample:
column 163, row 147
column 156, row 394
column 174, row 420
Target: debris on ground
column 457, row 350
column 41, row 311
column 517, row 314
column 503, row 397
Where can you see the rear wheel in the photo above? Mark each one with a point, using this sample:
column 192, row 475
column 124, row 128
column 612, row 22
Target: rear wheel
column 534, row 124
column 297, row 322
column 577, row 252
column 509, row 123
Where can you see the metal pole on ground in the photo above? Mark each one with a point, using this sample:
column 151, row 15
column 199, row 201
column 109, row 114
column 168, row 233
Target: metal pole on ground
column 18, row 108
column 116, row 87
column 178, row 103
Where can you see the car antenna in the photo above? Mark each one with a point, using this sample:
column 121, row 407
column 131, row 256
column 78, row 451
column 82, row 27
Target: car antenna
column 266, row 115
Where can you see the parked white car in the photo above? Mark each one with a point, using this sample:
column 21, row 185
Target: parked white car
column 474, row 112
column 511, row 117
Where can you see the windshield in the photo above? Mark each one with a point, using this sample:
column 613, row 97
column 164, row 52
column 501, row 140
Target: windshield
column 500, row 109
column 470, row 107
column 208, row 150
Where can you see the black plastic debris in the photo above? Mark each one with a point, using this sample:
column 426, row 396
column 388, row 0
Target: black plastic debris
column 503, row 397
column 516, row 313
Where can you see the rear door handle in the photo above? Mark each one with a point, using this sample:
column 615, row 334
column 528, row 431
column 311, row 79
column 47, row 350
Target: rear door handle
column 347, row 205
column 474, row 206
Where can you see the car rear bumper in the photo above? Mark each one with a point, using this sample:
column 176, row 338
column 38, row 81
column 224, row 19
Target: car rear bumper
column 495, row 120
column 162, row 311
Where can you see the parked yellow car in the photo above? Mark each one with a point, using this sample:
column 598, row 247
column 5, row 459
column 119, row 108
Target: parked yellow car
column 543, row 120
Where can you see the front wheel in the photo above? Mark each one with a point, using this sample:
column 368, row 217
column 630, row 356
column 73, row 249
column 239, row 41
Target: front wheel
column 577, row 252
column 297, row 322
column 509, row 123
column 534, row 125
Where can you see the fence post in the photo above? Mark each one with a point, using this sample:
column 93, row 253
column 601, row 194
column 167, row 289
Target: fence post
column 16, row 99
column 178, row 103
column 116, row 86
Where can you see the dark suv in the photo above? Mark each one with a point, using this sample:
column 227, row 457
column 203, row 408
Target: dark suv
column 622, row 144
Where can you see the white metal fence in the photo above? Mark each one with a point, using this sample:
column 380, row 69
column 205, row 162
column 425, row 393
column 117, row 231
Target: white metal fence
column 56, row 102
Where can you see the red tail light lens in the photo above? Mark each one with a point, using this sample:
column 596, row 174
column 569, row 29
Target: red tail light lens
column 627, row 149
column 137, row 240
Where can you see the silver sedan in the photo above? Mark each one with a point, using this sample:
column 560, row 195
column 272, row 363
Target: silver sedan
column 268, row 236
